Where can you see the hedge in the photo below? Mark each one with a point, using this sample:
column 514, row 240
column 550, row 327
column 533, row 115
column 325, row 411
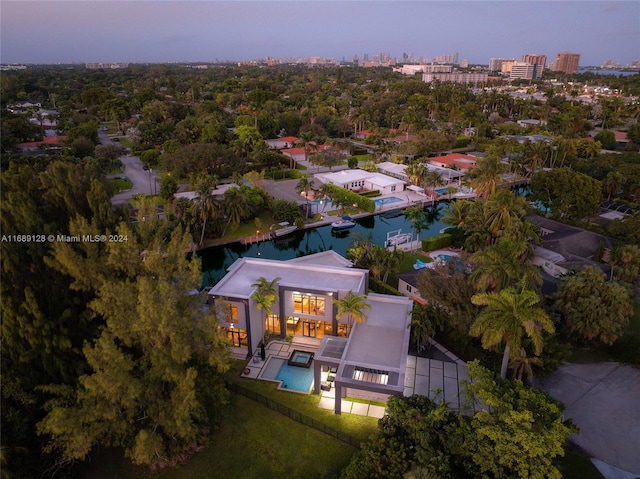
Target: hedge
column 346, row 197
column 437, row 242
column 381, row 287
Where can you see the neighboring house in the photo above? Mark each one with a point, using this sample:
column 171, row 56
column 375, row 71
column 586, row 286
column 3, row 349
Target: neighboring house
column 395, row 170
column 532, row 123
column 192, row 195
column 621, row 139
column 359, row 180
column 565, row 248
column 280, row 143
column 369, row 356
column 463, row 162
column 408, row 285
column 40, row 146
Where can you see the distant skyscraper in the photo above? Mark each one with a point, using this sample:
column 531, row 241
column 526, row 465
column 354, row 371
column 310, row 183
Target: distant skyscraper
column 538, row 60
column 566, row 62
column 366, row 57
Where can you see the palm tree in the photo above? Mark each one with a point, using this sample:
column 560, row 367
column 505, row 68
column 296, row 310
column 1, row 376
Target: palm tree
column 421, row 325
column 503, row 264
column 235, row 206
column 265, row 294
column 456, row 213
column 522, row 365
column 205, row 203
column 488, row 173
column 625, row 262
column 502, row 210
column 613, row 183
column 510, row 314
column 416, row 173
column 353, row 305
column 305, row 184
column 416, row 216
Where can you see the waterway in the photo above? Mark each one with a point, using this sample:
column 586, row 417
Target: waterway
column 216, row 260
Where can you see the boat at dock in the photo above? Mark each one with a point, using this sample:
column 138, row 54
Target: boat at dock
column 344, row 223
column 285, row 228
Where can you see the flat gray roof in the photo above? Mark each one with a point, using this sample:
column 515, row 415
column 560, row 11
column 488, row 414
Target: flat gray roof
column 245, row 271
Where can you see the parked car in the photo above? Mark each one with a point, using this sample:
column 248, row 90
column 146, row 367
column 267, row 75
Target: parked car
column 145, row 167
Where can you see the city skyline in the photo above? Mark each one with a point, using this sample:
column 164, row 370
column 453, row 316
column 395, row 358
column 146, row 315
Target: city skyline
column 203, row 31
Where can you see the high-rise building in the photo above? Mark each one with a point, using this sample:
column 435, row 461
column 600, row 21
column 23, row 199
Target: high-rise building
column 538, row 60
column 523, row 70
column 566, row 62
column 495, row 64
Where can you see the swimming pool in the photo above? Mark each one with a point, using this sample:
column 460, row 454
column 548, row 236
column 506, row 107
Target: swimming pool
column 441, row 191
column 291, row 378
column 387, row 201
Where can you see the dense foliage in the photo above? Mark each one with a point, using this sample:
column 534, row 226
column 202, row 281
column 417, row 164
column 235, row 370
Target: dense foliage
column 519, row 432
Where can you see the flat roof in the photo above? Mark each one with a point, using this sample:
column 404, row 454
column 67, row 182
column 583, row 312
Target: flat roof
column 348, row 176
column 374, row 356
column 304, row 275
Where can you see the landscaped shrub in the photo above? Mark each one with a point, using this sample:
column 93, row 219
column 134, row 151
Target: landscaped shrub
column 370, row 194
column 437, row 242
column 342, row 196
column 381, row 287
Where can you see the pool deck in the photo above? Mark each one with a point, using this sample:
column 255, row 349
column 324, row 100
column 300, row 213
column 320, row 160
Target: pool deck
column 439, row 380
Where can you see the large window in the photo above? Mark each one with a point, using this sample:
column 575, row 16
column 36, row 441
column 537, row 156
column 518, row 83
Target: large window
column 307, row 304
column 231, row 312
column 272, row 323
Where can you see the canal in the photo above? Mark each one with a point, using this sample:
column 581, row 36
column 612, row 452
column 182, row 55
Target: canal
column 216, row 260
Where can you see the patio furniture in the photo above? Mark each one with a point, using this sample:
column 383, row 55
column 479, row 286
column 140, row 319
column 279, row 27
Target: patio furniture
column 325, row 386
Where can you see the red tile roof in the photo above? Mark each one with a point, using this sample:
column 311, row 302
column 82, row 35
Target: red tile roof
column 50, row 140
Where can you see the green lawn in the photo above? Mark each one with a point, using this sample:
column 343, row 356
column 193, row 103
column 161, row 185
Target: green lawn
column 253, row 442
column 121, row 183
column 359, row 427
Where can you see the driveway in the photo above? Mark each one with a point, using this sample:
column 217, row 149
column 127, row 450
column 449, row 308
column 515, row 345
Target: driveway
column 603, row 399
column 144, row 181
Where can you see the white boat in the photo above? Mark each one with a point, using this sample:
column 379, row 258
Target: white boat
column 284, row 229
column 342, row 224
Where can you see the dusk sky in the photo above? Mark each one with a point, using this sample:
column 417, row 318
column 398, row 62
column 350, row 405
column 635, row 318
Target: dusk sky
column 201, row 31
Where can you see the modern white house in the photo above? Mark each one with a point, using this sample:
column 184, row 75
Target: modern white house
column 369, row 356
column 358, row 180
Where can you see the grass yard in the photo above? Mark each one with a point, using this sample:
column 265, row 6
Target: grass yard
column 253, row 442
column 360, row 427
column 121, row 183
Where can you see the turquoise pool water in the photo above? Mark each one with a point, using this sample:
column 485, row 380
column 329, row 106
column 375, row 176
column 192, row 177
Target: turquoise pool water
column 387, row 201
column 290, row 377
column 441, row 191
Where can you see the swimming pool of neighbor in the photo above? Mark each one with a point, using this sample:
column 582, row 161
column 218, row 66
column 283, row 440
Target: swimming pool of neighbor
column 387, row 201
column 291, row 378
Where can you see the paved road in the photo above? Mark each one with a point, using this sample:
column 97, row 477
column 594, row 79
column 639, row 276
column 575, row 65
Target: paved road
column 144, row 181
column 603, row 399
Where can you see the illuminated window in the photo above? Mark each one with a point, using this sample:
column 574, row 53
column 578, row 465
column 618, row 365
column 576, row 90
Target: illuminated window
column 272, row 323
column 306, row 304
column 232, row 313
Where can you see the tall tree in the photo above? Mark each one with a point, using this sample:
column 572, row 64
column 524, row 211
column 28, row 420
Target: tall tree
column 205, row 203
column 510, row 314
column 155, row 385
column 594, row 308
column 305, row 184
column 504, row 264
